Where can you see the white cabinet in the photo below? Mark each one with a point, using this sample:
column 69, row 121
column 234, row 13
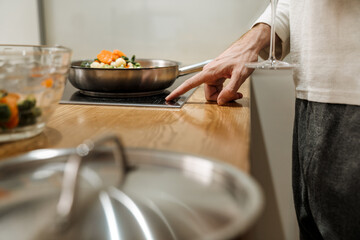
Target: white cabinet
column 272, row 116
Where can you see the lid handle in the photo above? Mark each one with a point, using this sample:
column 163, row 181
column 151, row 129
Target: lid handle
column 67, row 207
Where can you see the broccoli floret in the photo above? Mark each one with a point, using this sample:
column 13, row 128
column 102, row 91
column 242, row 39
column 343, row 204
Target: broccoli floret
column 5, row 113
column 27, row 104
column 86, row 64
column 26, row 119
column 132, row 61
column 28, row 112
column 29, row 117
column 125, row 58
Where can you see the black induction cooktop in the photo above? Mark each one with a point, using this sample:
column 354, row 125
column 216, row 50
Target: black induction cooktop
column 72, row 95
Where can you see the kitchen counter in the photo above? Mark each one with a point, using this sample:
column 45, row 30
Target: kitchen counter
column 198, row 128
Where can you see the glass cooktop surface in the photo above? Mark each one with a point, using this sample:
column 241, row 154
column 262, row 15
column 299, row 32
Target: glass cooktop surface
column 72, row 95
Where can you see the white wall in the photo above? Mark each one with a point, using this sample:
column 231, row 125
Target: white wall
column 19, row 22
column 187, row 31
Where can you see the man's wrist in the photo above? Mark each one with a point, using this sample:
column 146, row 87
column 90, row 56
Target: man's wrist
column 260, row 34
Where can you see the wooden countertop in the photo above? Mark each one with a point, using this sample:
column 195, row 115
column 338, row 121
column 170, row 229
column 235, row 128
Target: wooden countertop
column 199, row 128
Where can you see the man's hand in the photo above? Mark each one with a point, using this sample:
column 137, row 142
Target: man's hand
column 230, row 64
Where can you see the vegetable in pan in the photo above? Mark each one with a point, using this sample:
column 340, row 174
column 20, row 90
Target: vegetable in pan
column 115, row 59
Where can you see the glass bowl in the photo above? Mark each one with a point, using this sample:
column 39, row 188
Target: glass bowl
column 32, row 80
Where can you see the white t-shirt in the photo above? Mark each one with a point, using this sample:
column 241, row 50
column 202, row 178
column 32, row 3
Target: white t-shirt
column 324, row 39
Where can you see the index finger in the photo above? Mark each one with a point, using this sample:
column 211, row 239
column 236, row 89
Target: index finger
column 190, row 83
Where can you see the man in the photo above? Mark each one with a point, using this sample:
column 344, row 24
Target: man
column 324, row 40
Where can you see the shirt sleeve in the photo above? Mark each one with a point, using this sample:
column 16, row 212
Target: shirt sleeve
column 282, row 28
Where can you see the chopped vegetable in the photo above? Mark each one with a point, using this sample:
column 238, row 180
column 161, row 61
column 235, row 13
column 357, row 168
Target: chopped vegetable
column 86, row 64
column 119, row 53
column 47, row 83
column 5, row 113
column 115, row 59
column 10, row 100
column 106, row 56
column 27, row 104
column 28, row 111
column 29, row 117
column 14, row 113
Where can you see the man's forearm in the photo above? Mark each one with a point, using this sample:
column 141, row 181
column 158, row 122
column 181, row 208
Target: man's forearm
column 260, row 34
column 256, row 38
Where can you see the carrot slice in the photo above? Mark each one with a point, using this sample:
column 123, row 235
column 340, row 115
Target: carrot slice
column 47, row 83
column 13, row 96
column 119, row 53
column 11, row 100
column 105, row 56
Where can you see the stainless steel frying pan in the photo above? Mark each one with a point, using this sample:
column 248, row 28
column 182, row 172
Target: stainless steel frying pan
column 154, row 76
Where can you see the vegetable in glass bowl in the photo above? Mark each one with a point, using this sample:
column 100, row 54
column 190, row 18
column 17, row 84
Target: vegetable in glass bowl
column 32, row 80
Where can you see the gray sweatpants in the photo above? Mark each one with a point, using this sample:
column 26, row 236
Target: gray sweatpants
column 326, row 170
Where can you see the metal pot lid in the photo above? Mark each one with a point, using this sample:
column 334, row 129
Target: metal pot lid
column 82, row 193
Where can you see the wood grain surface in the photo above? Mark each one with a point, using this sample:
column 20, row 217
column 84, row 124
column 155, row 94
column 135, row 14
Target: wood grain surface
column 199, row 127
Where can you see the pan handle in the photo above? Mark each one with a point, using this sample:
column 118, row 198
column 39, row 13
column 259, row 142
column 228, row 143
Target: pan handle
column 197, row 67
